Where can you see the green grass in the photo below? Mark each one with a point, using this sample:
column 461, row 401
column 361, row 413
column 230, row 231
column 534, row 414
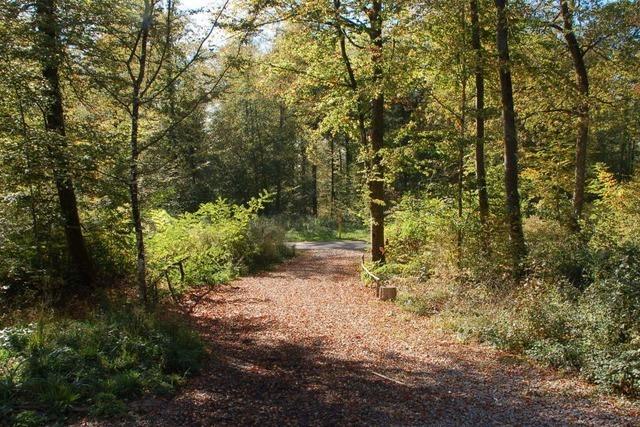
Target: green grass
column 53, row 368
column 311, row 229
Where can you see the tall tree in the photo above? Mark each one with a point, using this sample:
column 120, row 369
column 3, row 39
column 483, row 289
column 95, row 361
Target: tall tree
column 134, row 81
column 137, row 81
column 376, row 178
column 462, row 124
column 373, row 143
column 514, row 215
column 50, row 58
column 481, row 173
column 582, row 77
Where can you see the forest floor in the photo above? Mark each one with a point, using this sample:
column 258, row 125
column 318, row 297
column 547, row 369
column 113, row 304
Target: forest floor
column 308, row 344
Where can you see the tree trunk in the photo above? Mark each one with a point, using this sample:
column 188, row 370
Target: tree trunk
column 347, row 156
column 582, row 140
column 333, row 178
column 33, row 200
column 481, row 174
column 54, row 122
column 279, row 172
column 305, row 184
column 376, row 178
column 375, row 181
column 514, row 216
column 141, row 266
column 314, row 190
column 462, row 124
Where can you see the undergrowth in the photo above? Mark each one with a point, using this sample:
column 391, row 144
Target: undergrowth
column 578, row 306
column 56, row 368
column 213, row 245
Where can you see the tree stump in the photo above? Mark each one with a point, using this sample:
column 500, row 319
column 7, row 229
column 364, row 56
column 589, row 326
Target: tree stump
column 387, row 293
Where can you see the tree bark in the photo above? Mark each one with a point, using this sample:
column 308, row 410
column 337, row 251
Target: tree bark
column 47, row 26
column 514, row 216
column 33, row 207
column 481, row 173
column 582, row 77
column 279, row 172
column 305, row 183
column 347, row 156
column 376, row 177
column 141, row 265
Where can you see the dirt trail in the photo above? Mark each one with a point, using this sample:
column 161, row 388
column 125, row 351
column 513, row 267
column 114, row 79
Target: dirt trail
column 307, row 344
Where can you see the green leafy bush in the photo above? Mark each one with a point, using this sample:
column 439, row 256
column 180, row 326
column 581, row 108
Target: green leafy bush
column 214, row 244
column 268, row 246
column 107, row 405
column 578, row 306
column 556, row 254
column 60, row 364
column 35, row 267
column 421, row 234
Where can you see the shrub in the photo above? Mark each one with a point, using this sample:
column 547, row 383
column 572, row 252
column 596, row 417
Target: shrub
column 213, row 244
column 34, row 267
column 268, row 243
column 28, row 419
column 421, row 234
column 578, row 306
column 555, row 253
column 540, row 321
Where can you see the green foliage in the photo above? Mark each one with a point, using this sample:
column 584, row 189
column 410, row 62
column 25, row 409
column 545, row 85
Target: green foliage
column 295, row 119
column 554, row 253
column 213, row 244
column 107, row 405
column 28, row 419
column 578, row 306
column 314, row 229
column 267, row 238
column 428, row 301
column 57, row 365
column 416, row 224
column 423, row 242
column 111, row 241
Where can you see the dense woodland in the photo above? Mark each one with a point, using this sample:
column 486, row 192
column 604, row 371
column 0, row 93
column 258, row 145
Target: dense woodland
column 486, row 149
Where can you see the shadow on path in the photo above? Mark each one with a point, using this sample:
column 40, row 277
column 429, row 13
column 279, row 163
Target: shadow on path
column 274, row 362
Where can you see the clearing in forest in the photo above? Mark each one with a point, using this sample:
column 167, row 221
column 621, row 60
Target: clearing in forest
column 307, row 344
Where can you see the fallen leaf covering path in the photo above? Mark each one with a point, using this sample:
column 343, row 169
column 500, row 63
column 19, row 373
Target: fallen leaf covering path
column 307, row 344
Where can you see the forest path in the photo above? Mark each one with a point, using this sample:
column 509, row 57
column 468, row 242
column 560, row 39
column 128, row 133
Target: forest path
column 307, row 344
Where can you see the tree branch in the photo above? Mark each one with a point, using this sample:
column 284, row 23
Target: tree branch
column 193, row 59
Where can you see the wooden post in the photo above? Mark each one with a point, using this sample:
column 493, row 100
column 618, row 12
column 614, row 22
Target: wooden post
column 387, row 293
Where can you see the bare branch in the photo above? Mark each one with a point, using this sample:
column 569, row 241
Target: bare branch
column 194, row 58
column 132, row 55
